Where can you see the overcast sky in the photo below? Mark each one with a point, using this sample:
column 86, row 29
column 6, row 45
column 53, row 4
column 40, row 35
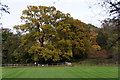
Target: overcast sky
column 79, row 9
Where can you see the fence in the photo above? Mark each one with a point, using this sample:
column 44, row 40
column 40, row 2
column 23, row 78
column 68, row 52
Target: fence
column 33, row 65
column 84, row 63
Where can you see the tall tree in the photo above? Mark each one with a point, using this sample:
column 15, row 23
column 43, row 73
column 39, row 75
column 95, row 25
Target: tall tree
column 50, row 35
column 39, row 29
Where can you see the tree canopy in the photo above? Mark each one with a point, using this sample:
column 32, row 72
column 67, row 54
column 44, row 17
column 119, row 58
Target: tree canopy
column 50, row 35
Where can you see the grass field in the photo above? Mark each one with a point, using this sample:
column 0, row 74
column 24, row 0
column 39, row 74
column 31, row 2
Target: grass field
column 62, row 72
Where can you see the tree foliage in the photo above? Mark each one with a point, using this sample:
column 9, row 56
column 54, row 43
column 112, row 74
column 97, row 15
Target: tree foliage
column 10, row 43
column 111, row 27
column 51, row 36
column 4, row 8
column 108, row 37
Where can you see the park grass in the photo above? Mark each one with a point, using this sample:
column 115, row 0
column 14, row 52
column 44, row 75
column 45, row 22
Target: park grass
column 61, row 72
column 0, row 72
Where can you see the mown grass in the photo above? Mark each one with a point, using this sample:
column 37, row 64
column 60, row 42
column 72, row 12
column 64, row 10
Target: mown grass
column 62, row 72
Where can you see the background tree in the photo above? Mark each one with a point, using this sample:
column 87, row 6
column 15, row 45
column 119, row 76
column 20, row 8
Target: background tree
column 113, row 8
column 10, row 42
column 108, row 38
column 79, row 39
column 4, row 8
column 94, row 49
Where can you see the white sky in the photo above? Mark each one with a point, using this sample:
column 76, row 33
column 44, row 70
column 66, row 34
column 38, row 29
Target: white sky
column 79, row 9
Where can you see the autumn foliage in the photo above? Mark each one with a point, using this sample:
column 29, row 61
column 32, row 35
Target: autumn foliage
column 48, row 36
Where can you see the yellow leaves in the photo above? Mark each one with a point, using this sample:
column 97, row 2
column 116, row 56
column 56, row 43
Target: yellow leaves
column 64, row 30
column 46, row 54
column 35, row 49
column 95, row 34
column 35, row 57
column 69, row 53
column 46, row 27
column 53, row 36
column 22, row 17
column 16, row 26
column 43, row 27
column 97, row 47
column 33, row 8
column 83, row 48
column 63, row 43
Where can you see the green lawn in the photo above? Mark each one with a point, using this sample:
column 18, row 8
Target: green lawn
column 62, row 72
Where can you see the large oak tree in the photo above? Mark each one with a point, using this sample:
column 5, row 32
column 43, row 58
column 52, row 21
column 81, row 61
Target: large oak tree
column 50, row 35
